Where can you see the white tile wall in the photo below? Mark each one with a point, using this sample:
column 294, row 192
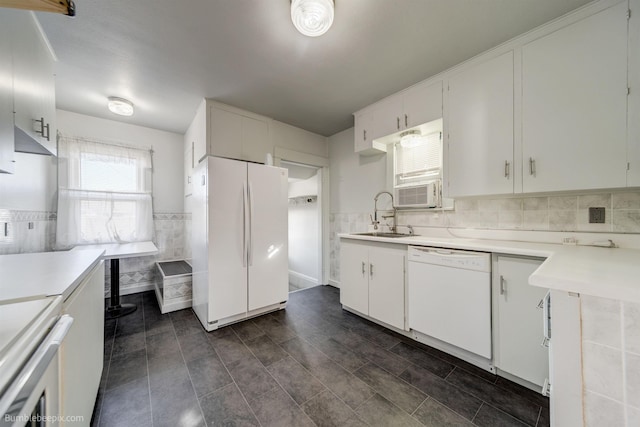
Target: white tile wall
column 601, row 411
column 611, row 362
column 172, row 237
column 543, row 213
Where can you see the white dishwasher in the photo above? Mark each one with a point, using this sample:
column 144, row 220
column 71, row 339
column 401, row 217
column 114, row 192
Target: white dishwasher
column 450, row 297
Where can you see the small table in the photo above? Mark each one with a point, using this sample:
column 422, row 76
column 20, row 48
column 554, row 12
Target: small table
column 114, row 252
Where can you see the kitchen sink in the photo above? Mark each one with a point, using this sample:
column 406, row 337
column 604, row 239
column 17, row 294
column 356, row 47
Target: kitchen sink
column 383, row 234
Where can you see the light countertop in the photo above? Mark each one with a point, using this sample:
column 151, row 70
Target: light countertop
column 121, row 250
column 603, row 272
column 45, row 273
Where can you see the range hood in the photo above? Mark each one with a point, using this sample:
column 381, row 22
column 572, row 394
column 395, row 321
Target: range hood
column 24, row 143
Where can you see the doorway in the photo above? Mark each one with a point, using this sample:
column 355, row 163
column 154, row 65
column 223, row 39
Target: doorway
column 305, row 225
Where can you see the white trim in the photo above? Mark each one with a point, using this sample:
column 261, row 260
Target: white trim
column 334, row 283
column 308, row 280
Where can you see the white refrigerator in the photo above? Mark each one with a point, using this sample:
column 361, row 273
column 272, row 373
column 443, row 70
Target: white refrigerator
column 239, row 240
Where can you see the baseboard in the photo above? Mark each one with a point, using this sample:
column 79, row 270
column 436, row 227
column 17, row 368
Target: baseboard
column 302, row 280
column 334, row 283
column 142, row 287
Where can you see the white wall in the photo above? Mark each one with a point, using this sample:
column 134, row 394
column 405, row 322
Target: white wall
column 355, row 179
column 167, row 152
column 33, row 185
column 304, row 221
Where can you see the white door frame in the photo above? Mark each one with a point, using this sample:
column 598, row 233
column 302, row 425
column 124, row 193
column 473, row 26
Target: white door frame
column 322, row 163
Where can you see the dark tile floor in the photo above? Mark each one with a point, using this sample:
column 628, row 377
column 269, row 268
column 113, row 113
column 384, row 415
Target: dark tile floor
column 311, row 364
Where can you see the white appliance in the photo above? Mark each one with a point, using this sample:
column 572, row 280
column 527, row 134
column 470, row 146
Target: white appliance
column 30, row 335
column 239, row 240
column 450, row 298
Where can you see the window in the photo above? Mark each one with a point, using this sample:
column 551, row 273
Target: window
column 418, row 163
column 104, row 193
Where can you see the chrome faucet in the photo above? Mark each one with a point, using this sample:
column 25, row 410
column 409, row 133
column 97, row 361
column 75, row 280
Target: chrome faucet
column 375, row 211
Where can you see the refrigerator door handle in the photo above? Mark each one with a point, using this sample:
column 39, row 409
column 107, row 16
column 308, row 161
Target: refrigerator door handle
column 245, row 213
column 250, row 249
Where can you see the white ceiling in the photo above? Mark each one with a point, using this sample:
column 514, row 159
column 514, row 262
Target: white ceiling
column 166, row 55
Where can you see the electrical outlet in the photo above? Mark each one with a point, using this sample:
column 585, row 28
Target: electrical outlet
column 596, row 215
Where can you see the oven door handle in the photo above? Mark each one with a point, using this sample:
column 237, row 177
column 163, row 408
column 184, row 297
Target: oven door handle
column 27, row 380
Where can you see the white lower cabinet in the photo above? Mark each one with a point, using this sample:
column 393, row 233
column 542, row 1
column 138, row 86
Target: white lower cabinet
column 372, row 280
column 82, row 349
column 518, row 331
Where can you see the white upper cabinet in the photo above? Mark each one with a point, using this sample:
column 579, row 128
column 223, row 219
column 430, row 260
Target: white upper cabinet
column 363, row 142
column 387, row 116
column 33, row 87
column 238, row 134
column 414, row 106
column 479, row 129
column 6, row 101
column 574, row 105
column 27, row 92
column 225, row 131
column 422, row 104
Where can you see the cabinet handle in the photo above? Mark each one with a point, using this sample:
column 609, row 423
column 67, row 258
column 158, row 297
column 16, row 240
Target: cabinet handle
column 532, row 166
column 189, row 179
column 47, row 136
column 398, row 123
column 502, row 286
column 371, row 270
column 506, row 169
column 363, row 266
column 406, row 120
column 546, row 388
column 364, row 134
column 41, row 131
column 541, row 304
column 193, row 154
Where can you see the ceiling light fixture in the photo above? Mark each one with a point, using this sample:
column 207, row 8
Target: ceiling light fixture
column 120, row 106
column 312, row 17
column 410, row 138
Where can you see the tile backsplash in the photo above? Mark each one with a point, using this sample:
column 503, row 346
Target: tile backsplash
column 32, row 231
column 545, row 213
column 568, row 213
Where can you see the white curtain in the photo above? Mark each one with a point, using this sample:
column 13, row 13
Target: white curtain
column 104, row 193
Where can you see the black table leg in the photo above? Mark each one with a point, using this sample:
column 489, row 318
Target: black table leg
column 116, row 309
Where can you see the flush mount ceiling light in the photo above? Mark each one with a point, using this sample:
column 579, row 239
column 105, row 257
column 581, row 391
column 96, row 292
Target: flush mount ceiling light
column 410, row 138
column 312, row 17
column 120, row 106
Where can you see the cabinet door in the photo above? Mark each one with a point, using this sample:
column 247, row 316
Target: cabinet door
column 388, row 117
column 479, row 148
column 225, row 138
column 386, row 285
column 574, row 105
column 422, row 104
column 363, row 135
column 519, row 329
column 81, row 354
column 34, row 97
column 255, row 140
column 354, row 276
column 6, row 97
